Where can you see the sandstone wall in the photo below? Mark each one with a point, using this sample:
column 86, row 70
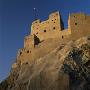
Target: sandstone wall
column 28, row 54
column 79, row 25
column 29, row 41
column 24, row 55
column 52, row 34
column 48, row 27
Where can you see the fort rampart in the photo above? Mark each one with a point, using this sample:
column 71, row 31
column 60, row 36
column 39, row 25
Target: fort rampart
column 53, row 28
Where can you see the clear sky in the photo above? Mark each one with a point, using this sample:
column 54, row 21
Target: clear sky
column 17, row 15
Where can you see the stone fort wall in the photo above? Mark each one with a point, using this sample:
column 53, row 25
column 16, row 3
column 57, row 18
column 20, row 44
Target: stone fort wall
column 78, row 26
column 53, row 27
column 43, row 30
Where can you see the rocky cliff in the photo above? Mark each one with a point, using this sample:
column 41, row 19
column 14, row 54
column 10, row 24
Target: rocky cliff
column 67, row 67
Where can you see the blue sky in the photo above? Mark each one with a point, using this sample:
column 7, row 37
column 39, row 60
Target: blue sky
column 17, row 15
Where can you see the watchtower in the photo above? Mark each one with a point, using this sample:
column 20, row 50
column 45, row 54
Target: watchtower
column 79, row 25
column 54, row 22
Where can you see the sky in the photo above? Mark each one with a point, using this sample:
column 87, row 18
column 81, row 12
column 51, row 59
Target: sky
column 16, row 17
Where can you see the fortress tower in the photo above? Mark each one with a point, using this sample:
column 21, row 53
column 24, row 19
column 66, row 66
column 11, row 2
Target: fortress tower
column 52, row 29
column 79, row 24
column 44, row 30
column 41, row 29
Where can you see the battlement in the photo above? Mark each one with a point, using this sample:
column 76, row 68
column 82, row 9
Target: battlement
column 54, row 22
column 53, row 27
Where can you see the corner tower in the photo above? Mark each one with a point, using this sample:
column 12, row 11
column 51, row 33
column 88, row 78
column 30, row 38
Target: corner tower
column 53, row 23
column 79, row 25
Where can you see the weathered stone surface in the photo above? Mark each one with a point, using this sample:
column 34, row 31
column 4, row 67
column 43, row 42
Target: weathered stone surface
column 51, row 29
column 67, row 67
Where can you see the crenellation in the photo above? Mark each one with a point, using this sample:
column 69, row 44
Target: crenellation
column 54, row 14
column 54, row 22
column 35, row 26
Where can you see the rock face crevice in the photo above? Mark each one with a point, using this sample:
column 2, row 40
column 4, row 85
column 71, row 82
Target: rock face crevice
column 74, row 66
column 67, row 67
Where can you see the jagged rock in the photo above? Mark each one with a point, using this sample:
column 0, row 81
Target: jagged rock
column 67, row 67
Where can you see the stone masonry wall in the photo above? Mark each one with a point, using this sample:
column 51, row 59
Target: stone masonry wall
column 47, row 28
column 29, row 41
column 52, row 29
column 79, row 25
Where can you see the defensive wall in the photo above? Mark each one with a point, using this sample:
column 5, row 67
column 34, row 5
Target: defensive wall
column 79, row 25
column 53, row 28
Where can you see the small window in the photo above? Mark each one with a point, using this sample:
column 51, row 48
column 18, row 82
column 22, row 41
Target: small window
column 75, row 23
column 44, row 30
column 26, row 62
column 62, row 37
column 20, row 53
column 55, row 19
column 54, row 28
column 75, row 16
column 28, row 51
column 54, row 22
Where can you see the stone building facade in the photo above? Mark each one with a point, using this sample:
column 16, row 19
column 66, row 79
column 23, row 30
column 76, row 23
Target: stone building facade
column 53, row 27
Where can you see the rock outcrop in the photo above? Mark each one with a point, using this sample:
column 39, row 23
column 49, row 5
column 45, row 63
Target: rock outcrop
column 67, row 67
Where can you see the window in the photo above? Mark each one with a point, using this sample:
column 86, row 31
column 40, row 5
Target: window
column 54, row 22
column 75, row 23
column 44, row 30
column 26, row 62
column 54, row 28
column 20, row 53
column 62, row 37
column 28, row 51
column 75, row 16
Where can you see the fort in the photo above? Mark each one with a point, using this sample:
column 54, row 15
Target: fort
column 52, row 31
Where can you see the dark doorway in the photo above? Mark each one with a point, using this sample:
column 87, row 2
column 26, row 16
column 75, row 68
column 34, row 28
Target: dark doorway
column 36, row 40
